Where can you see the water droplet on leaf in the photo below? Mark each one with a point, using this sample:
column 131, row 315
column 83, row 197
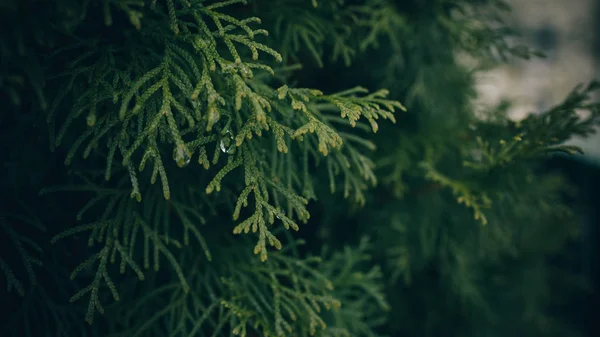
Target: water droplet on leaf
column 246, row 73
column 227, row 145
column 223, row 146
column 182, row 156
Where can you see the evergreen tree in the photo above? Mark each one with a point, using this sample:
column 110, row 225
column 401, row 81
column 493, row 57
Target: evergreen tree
column 207, row 145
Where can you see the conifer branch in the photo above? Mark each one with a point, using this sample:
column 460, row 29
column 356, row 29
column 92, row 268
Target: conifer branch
column 282, row 296
column 119, row 227
column 541, row 134
column 477, row 201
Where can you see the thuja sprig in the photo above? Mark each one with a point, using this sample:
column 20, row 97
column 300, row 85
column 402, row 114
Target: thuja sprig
column 471, row 198
column 360, row 290
column 300, row 28
column 379, row 18
column 168, row 103
column 372, row 106
column 261, row 189
column 538, row 134
column 167, row 97
column 236, row 72
column 302, row 301
column 346, row 158
column 123, row 228
column 286, row 295
column 350, row 106
column 263, row 185
column 192, row 99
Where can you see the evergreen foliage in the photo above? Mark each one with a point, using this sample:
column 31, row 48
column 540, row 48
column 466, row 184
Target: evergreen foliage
column 255, row 117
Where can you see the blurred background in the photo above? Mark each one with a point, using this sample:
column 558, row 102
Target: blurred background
column 568, row 33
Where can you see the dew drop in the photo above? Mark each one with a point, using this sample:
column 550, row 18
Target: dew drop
column 246, row 73
column 182, row 155
column 222, row 146
column 227, row 145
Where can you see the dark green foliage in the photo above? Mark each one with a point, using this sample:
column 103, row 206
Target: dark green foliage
column 256, row 117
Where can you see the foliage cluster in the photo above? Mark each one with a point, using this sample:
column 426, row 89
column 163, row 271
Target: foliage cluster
column 196, row 134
